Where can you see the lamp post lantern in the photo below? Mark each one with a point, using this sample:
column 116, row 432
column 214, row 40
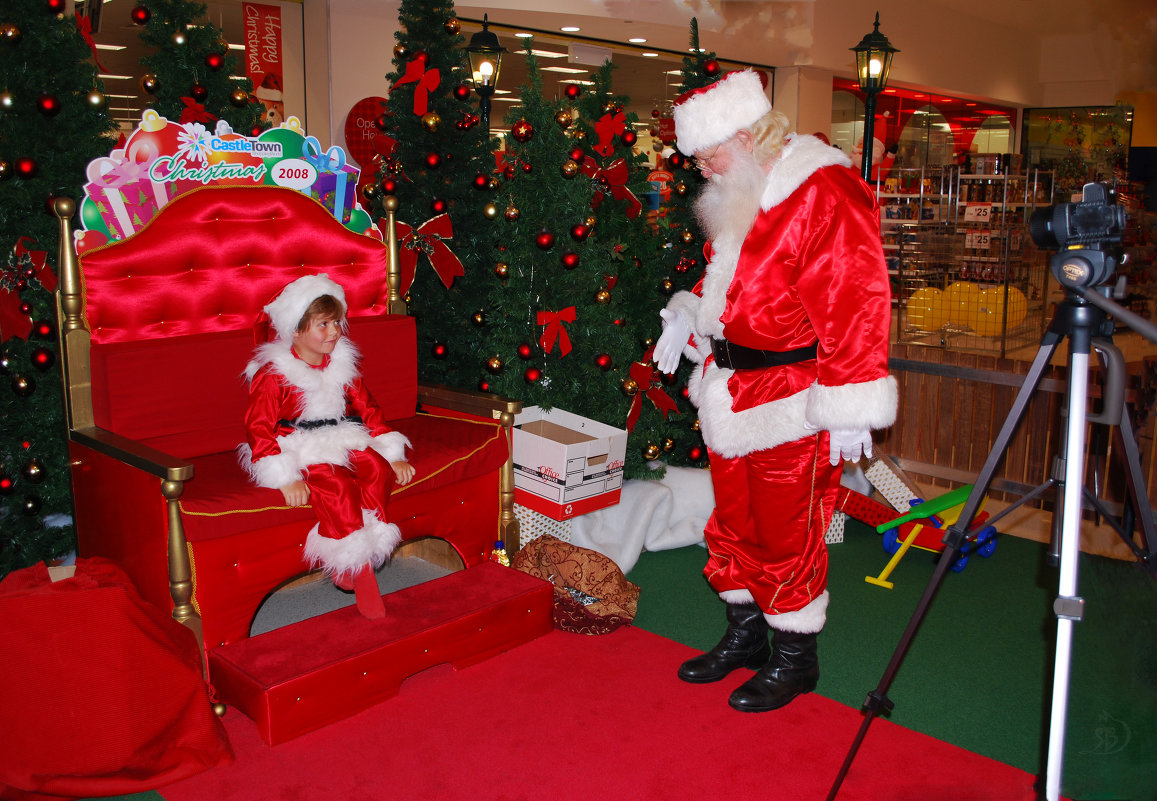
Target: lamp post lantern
column 485, row 52
column 873, row 63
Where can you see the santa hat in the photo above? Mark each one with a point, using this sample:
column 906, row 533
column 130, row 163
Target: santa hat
column 712, row 114
column 286, row 311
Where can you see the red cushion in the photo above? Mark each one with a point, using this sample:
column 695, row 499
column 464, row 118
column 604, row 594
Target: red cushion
column 212, row 258
column 220, row 501
column 185, row 395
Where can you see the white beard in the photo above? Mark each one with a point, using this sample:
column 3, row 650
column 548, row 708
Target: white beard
column 727, row 206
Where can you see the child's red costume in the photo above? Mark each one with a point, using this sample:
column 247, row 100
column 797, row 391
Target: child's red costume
column 321, row 425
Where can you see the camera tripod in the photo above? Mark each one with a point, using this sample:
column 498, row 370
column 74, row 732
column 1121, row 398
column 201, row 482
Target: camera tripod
column 1081, row 319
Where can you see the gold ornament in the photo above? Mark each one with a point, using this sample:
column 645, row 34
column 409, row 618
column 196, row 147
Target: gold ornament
column 666, row 286
column 650, row 451
column 602, row 296
column 564, row 118
column 668, row 444
column 7, row 100
column 96, row 98
column 502, row 269
column 149, row 83
column 590, row 221
column 490, row 210
column 492, row 183
column 452, row 26
column 580, row 135
column 499, row 555
column 401, row 51
column 630, row 387
column 494, row 365
column 179, row 38
column 431, row 121
column 512, row 213
column 570, row 168
column 239, row 97
column 688, row 237
column 478, row 318
column 695, row 425
column 680, row 189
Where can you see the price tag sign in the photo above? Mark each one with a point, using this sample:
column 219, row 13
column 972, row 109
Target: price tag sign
column 978, row 212
column 978, row 240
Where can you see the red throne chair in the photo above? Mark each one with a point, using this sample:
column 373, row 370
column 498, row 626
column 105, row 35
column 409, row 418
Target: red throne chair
column 155, row 332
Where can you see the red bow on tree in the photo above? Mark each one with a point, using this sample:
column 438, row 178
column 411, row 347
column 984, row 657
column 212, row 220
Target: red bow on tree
column 427, row 81
column 14, row 322
column 649, row 379
column 614, row 177
column 428, row 238
column 555, row 330
column 607, row 128
column 84, row 25
column 195, row 112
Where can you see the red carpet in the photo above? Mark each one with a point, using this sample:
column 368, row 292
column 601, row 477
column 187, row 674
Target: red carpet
column 594, row 719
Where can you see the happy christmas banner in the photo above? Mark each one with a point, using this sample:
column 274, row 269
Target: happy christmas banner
column 262, row 25
column 162, row 160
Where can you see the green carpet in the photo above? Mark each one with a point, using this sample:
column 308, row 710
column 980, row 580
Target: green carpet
column 979, row 672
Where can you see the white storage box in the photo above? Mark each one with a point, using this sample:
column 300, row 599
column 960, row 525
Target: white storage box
column 566, row 464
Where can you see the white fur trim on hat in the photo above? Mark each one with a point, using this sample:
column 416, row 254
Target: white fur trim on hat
column 286, row 311
column 713, row 114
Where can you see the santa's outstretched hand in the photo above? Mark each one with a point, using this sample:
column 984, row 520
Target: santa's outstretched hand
column 669, row 348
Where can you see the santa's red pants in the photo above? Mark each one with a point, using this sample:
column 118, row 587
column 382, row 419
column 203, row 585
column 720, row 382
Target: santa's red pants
column 766, row 535
column 338, row 493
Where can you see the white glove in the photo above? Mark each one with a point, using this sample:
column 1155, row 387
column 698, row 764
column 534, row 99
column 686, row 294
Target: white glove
column 849, row 445
column 669, row 348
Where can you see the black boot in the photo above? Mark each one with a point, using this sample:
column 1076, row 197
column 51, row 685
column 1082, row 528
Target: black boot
column 794, row 669
column 743, row 645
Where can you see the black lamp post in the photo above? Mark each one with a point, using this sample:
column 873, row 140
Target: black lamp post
column 485, row 52
column 873, row 63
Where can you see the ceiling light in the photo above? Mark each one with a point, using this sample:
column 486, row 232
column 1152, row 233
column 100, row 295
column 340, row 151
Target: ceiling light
column 236, row 47
column 123, row 97
column 110, row 77
column 570, row 29
column 649, row 55
column 637, row 40
column 547, row 53
column 524, row 35
column 110, row 47
column 567, row 70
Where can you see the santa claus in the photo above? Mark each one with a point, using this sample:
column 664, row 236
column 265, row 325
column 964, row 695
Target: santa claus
column 789, row 329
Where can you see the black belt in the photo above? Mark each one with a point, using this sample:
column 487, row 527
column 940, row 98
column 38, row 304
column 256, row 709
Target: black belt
column 310, row 424
column 737, row 357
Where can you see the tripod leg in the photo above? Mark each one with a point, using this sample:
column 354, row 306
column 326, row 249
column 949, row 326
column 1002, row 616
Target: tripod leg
column 877, row 700
column 1137, row 487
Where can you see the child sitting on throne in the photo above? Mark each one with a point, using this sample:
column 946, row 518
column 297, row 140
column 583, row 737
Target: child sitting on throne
column 315, row 433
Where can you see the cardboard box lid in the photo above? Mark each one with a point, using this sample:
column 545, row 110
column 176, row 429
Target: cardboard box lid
column 556, row 432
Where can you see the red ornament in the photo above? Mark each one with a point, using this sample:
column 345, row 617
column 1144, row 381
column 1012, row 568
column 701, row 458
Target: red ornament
column 524, row 351
column 522, row 131
column 42, row 329
column 603, row 361
column 676, row 159
column 483, row 385
column 695, row 454
column 461, row 92
column 655, row 113
column 573, row 90
column 532, row 374
column 544, row 239
column 433, row 160
column 56, row 6
column 576, row 154
column 140, row 15
column 48, row 104
column 439, row 350
column 421, row 55
column 525, row 166
column 382, row 122
column 42, row 358
column 711, row 67
column 629, row 137
column 437, row 205
column 215, row 61
column 389, row 185
column 26, row 167
column 198, row 92
column 579, row 232
column 481, row 180
column 6, row 485
column 570, row 260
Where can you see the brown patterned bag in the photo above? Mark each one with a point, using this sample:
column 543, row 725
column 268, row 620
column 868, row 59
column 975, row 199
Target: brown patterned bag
column 591, row 594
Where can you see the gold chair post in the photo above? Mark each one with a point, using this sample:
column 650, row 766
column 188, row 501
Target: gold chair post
column 73, row 337
column 394, row 273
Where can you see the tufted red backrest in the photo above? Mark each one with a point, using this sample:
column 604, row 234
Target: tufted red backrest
column 172, row 310
column 212, row 258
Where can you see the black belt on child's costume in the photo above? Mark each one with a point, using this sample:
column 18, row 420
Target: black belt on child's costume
column 730, row 356
column 311, row 424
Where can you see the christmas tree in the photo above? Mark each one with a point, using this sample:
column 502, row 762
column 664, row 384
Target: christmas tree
column 441, row 172
column 191, row 74
column 573, row 310
column 53, row 122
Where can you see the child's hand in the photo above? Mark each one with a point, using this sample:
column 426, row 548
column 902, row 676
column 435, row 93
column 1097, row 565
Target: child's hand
column 404, row 471
column 296, row 494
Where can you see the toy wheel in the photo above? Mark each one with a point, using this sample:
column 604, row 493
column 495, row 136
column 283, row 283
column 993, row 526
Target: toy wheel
column 987, row 540
column 960, row 563
column 891, row 541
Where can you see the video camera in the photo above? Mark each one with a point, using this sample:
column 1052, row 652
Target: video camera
column 1087, row 235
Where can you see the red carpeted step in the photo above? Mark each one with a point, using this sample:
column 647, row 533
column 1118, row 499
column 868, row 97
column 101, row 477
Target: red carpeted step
column 300, row 677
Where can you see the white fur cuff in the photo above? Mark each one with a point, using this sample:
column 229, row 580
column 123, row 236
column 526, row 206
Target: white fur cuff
column 391, row 446
column 809, row 620
column 871, row 404
column 371, row 544
column 274, row 471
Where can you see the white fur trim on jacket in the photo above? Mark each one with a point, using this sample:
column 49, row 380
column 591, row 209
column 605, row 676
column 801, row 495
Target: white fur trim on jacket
column 809, row 620
column 731, row 434
column 710, row 116
column 301, row 448
column 372, row 543
column 287, row 309
column 870, row 404
column 391, row 446
column 801, row 156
